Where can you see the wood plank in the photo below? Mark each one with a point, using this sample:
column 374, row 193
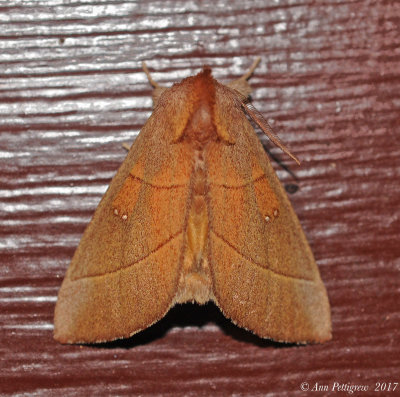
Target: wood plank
column 72, row 91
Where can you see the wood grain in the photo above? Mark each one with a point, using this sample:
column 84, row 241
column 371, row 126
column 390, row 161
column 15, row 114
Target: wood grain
column 72, row 91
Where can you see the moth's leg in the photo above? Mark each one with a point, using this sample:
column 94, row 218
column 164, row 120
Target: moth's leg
column 247, row 75
column 241, row 83
column 126, row 146
column 158, row 89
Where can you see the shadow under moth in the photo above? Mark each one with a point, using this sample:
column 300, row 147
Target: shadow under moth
column 195, row 214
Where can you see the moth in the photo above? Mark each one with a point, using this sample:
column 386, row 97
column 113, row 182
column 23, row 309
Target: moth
column 195, row 214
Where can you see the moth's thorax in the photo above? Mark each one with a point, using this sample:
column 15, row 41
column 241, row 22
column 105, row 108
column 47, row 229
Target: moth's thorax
column 200, row 128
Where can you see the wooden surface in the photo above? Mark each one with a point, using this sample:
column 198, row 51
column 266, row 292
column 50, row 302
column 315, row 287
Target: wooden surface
column 72, row 91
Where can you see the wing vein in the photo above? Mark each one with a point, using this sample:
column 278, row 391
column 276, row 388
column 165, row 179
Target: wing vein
column 156, row 186
column 258, row 264
column 133, row 263
column 238, row 186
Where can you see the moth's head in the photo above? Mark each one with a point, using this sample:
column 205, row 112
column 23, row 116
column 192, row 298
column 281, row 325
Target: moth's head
column 204, row 78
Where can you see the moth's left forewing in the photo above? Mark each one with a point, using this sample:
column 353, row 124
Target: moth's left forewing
column 264, row 275
column 124, row 274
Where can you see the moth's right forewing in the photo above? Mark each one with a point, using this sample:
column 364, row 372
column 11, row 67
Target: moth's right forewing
column 264, row 275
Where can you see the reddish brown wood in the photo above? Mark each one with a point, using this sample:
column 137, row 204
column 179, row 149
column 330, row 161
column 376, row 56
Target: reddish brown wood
column 71, row 91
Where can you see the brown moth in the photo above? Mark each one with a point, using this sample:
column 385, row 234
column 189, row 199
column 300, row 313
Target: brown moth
column 195, row 214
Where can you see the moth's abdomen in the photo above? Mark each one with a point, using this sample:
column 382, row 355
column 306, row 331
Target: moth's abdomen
column 195, row 281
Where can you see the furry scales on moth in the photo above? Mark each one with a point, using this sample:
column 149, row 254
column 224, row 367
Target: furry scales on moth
column 195, row 213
